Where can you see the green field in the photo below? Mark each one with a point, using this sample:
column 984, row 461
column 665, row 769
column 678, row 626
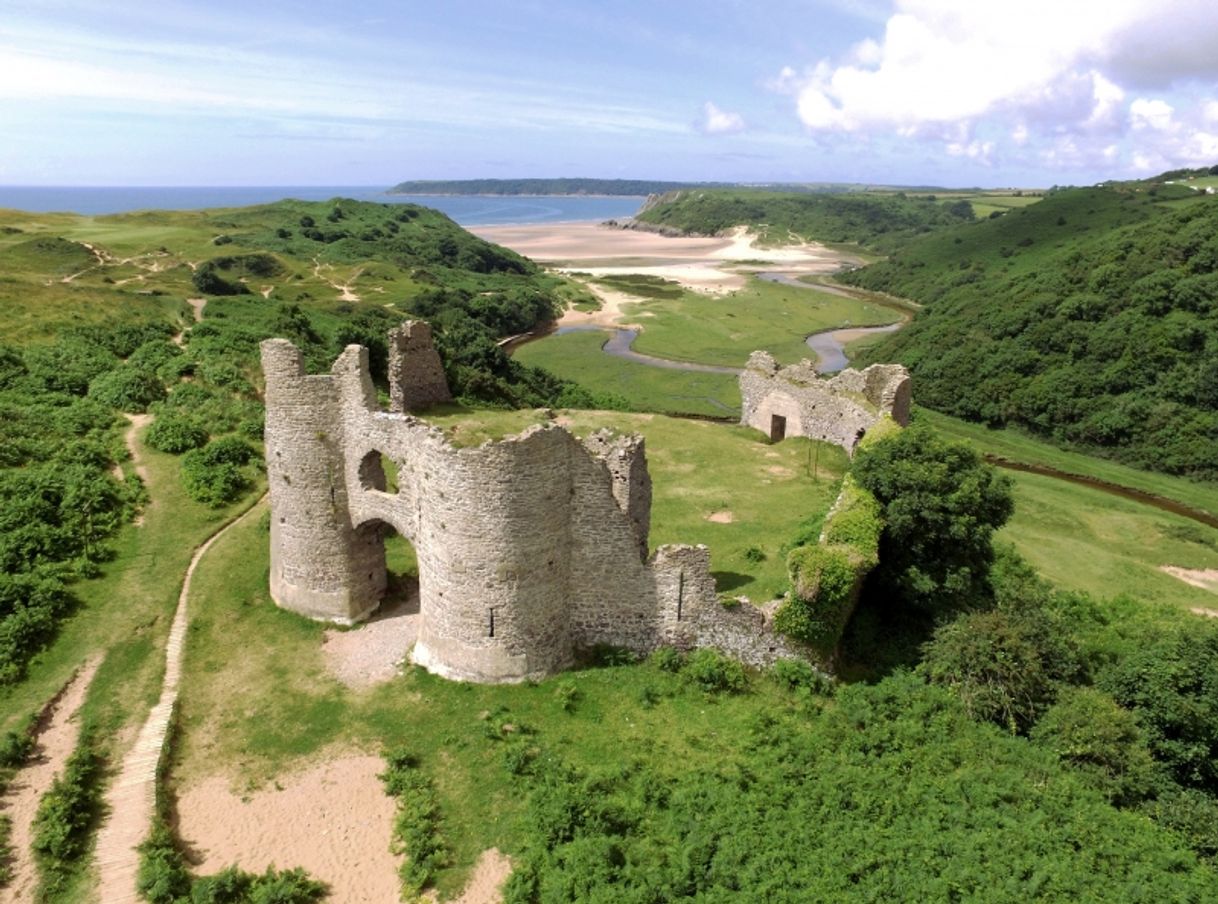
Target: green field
column 1017, row 446
column 710, row 329
column 1085, row 539
column 577, row 356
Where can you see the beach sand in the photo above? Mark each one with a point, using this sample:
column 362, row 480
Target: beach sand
column 713, row 265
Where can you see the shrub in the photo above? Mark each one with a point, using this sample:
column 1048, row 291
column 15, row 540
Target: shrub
column 568, row 695
column 127, row 389
column 153, row 355
column 416, row 826
column 991, row 662
column 214, row 485
column 1172, row 685
column 714, row 672
column 794, row 674
column 164, row 879
column 174, row 434
column 1191, row 814
column 668, row 659
column 66, row 814
column 1089, row 731
column 17, row 744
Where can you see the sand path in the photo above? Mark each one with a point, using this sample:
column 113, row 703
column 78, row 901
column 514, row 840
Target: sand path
column 1202, row 578
column 55, row 742
column 345, row 292
column 131, row 797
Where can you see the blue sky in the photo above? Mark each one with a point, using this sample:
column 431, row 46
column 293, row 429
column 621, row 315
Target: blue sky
column 371, row 92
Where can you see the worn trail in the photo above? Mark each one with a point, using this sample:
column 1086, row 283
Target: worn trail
column 131, row 798
column 55, row 743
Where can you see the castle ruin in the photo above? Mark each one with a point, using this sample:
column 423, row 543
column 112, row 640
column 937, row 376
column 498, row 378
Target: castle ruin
column 796, row 401
column 528, row 549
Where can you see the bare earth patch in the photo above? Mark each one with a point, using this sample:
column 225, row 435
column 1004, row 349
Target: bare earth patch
column 333, row 819
column 373, row 652
column 1204, row 578
column 779, row 471
column 54, row 745
column 721, row 517
column 1201, row 610
column 485, row 884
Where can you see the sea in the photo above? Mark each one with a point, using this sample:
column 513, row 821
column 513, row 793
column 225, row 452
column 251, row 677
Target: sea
column 467, row 210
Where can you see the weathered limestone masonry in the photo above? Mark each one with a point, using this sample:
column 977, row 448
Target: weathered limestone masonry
column 416, row 376
column 796, row 401
column 528, row 549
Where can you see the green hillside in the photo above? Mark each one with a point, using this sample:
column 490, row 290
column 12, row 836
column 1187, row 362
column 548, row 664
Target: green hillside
column 1090, row 318
column 878, row 220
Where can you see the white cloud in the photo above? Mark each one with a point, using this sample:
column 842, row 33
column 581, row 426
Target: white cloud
column 1033, row 71
column 1151, row 114
column 719, row 122
column 975, row 150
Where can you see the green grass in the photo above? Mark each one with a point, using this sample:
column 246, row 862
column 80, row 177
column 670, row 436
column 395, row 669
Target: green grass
column 1083, row 539
column 1017, row 446
column 725, row 329
column 699, row 469
column 578, row 357
column 273, row 707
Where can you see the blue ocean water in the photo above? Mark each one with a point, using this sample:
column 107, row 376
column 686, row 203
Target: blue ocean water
column 468, row 210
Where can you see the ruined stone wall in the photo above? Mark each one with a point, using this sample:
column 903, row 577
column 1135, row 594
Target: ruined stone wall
column 416, row 375
column 321, row 566
column 839, row 410
column 528, row 548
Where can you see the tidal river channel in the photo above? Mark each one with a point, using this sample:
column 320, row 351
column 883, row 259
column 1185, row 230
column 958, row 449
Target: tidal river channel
column 829, row 345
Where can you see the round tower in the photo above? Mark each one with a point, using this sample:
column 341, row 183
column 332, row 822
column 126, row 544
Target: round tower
column 320, row 566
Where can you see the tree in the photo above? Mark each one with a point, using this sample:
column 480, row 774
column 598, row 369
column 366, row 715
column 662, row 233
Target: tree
column 941, row 505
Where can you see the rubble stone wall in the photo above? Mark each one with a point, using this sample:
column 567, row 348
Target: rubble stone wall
column 839, row 410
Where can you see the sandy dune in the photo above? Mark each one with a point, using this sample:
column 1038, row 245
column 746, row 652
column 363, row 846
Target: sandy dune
column 714, row 265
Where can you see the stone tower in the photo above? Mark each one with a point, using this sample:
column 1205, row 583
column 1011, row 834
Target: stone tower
column 416, row 376
column 321, row 566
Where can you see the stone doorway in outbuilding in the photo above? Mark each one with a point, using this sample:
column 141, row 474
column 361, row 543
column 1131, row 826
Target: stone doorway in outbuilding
column 778, row 428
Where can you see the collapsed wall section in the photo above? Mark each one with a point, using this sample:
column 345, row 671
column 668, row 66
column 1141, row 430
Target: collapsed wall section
column 416, row 374
column 796, row 401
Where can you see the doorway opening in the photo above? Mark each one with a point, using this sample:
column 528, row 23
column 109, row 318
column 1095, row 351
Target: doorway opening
column 778, row 428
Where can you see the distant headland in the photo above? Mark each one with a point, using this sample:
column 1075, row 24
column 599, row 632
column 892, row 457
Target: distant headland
column 580, row 186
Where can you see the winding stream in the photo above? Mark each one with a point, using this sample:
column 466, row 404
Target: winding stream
column 619, row 345
column 829, row 345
